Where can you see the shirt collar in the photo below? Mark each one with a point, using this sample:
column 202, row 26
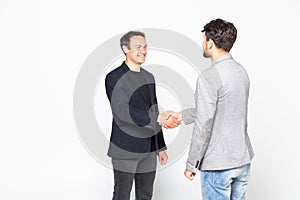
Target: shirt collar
column 131, row 69
column 222, row 58
column 135, row 70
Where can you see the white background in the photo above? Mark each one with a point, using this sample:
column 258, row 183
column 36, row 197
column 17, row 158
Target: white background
column 43, row 45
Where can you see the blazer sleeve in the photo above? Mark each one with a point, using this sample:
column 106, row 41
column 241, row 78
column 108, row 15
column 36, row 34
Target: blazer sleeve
column 206, row 101
column 188, row 115
column 119, row 101
column 161, row 145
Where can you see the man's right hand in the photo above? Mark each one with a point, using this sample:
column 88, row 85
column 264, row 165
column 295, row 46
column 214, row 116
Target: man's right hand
column 190, row 175
column 171, row 119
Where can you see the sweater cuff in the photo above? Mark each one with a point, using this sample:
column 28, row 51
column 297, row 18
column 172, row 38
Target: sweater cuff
column 160, row 118
column 192, row 167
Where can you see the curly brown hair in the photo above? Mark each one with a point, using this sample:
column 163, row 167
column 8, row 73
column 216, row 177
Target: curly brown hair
column 223, row 33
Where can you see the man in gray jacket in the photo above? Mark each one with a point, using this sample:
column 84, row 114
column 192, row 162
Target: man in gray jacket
column 220, row 145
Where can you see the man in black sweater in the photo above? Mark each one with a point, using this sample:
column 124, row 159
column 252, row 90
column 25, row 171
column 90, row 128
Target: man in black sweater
column 136, row 137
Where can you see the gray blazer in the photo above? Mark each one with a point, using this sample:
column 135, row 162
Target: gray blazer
column 220, row 139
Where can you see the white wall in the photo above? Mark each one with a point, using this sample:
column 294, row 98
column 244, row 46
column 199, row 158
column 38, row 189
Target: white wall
column 43, row 45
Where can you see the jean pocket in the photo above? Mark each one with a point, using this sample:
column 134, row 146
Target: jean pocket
column 222, row 180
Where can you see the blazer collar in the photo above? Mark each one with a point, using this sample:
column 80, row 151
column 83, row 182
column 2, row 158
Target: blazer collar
column 222, row 58
column 125, row 67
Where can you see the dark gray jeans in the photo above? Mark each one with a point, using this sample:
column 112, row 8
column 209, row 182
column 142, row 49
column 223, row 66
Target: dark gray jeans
column 141, row 170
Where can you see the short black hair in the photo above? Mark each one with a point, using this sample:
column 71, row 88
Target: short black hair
column 223, row 33
column 125, row 39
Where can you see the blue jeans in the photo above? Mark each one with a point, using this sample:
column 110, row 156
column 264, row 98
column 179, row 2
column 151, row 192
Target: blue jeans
column 229, row 184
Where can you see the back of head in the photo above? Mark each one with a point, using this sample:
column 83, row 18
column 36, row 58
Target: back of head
column 223, row 33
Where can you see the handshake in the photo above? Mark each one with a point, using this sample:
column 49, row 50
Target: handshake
column 169, row 119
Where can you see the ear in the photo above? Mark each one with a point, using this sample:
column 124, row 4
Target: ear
column 125, row 49
column 210, row 43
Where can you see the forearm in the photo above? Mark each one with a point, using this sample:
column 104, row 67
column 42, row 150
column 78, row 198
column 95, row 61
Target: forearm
column 200, row 140
column 126, row 112
column 188, row 115
column 206, row 100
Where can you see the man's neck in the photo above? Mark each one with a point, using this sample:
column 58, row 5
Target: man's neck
column 218, row 54
column 132, row 66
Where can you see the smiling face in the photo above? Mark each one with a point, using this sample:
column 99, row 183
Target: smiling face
column 136, row 54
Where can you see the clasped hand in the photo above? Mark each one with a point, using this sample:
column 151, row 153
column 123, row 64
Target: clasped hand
column 170, row 119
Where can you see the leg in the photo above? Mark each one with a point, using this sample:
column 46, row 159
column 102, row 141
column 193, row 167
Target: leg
column 123, row 177
column 239, row 184
column 123, row 185
column 144, row 178
column 144, row 185
column 216, row 185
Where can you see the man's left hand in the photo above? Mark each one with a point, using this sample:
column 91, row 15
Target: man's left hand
column 162, row 157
